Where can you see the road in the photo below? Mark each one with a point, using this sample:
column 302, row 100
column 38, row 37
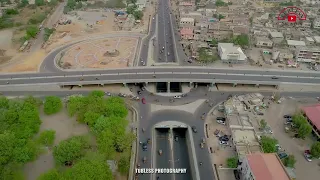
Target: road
column 163, row 161
column 164, row 38
column 181, row 154
column 163, row 75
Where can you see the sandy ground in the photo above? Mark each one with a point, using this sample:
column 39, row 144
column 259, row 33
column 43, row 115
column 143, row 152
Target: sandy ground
column 92, row 54
column 30, row 63
column 65, row 127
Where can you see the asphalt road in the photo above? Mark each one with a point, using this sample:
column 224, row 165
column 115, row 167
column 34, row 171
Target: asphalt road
column 181, row 154
column 163, row 161
column 183, row 76
column 165, row 46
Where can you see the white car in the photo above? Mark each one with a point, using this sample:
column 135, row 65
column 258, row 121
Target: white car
column 221, row 122
column 177, row 97
column 223, row 143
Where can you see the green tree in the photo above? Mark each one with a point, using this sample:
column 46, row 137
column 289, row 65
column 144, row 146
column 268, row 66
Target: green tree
column 47, row 33
column 11, row 171
column 34, row 101
column 7, row 141
column 88, row 168
column 268, row 144
column 232, row 162
column 242, row 40
column 52, row 174
column 138, row 15
column 37, row 18
column 105, row 143
column 39, row 2
column 124, row 163
column 4, row 102
column 78, row 5
column 52, row 105
column 315, row 150
column 31, row 32
column 47, row 137
column 53, row 2
column 70, row 150
column 298, row 119
column 214, row 42
column 289, row 161
column 205, row 57
column 220, row 3
column 131, row 9
column 304, row 130
column 263, row 124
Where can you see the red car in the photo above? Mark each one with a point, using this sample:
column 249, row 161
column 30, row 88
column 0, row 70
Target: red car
column 143, row 100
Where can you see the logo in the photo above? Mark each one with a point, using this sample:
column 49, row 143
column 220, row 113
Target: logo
column 292, row 14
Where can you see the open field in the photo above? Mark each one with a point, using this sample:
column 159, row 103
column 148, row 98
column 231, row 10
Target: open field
column 103, row 53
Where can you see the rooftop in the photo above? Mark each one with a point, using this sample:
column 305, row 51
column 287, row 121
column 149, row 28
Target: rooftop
column 239, row 122
column 187, row 19
column 296, row 43
column 312, row 112
column 267, row 167
column 244, row 137
column 186, row 31
column 317, row 39
column 276, row 34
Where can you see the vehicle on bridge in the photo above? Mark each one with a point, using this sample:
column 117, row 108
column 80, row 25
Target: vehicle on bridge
column 160, row 152
column 194, row 129
column 144, row 159
column 201, row 145
column 149, row 141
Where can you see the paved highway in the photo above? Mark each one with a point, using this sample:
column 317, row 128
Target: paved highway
column 163, row 161
column 163, row 75
column 181, row 154
column 166, row 47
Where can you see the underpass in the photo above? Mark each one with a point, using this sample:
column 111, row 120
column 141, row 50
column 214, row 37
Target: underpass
column 162, row 143
column 181, row 154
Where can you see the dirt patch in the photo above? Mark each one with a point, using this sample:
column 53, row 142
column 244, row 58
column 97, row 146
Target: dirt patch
column 65, row 128
column 103, row 53
column 30, row 64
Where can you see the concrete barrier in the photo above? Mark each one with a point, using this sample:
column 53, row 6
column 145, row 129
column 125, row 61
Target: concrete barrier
column 192, row 156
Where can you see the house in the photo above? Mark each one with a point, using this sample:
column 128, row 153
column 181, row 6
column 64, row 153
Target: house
column 312, row 114
column 187, row 23
column 238, row 30
column 285, row 55
column 187, row 6
column 316, row 23
column 141, row 4
column 308, row 54
column 263, row 42
column 186, row 33
column 294, row 44
column 317, row 39
column 306, row 24
column 259, row 166
column 309, row 41
column 230, row 53
column 276, row 37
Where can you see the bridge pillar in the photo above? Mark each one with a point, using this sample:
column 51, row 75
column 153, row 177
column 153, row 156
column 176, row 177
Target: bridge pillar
column 146, row 83
column 234, row 84
column 212, row 84
column 257, row 85
column 190, row 84
column 168, row 87
column 124, row 84
column 102, row 84
column 277, row 87
column 80, row 85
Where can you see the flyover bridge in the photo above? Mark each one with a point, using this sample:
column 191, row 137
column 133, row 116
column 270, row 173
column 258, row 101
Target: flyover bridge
column 163, row 74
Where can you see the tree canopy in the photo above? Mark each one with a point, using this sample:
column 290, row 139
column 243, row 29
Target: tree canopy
column 52, row 105
column 232, row 162
column 269, row 144
column 289, row 161
column 302, row 125
column 315, row 150
column 47, row 137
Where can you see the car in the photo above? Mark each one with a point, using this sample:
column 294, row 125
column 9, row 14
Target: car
column 149, row 141
column 223, row 143
column 122, row 95
column 282, row 155
column 189, row 61
column 287, row 116
column 168, row 54
column 216, row 132
column 177, row 97
column 142, row 88
column 184, row 95
column 203, row 140
column 144, row 147
column 221, row 119
column 274, row 77
column 307, row 155
column 139, row 92
column 201, row 145
column 108, row 93
column 143, row 64
column 278, row 147
column 144, row 159
column 176, row 138
column 224, row 138
column 221, row 122
column 194, row 129
column 143, row 100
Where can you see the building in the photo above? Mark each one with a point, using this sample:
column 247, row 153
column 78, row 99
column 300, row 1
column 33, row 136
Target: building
column 259, row 166
column 186, row 6
column 295, row 44
column 141, row 4
column 276, row 37
column 186, row 33
column 317, row 39
column 306, row 24
column 263, row 42
column 308, row 54
column 195, row 15
column 230, row 53
column 309, row 41
column 316, row 23
column 238, row 30
column 312, row 114
column 187, row 23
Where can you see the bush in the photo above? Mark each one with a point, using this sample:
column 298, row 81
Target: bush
column 232, row 162
column 289, row 161
column 269, row 144
column 315, row 150
column 47, row 137
column 47, row 33
column 52, row 105
column 11, row 11
column 31, row 32
column 37, row 18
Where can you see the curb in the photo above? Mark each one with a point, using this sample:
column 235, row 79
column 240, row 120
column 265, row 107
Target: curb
column 134, row 156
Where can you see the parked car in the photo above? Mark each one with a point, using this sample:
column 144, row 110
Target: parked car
column 223, row 143
column 221, row 122
column 203, row 140
column 177, row 97
column 201, row 145
column 224, row 138
column 287, row 116
column 143, row 100
column 194, row 129
column 221, row 119
column 139, row 92
column 216, row 132
column 278, row 147
column 307, row 155
column 122, row 95
column 282, row 155
column 108, row 93
column 176, row 138
column 160, row 152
